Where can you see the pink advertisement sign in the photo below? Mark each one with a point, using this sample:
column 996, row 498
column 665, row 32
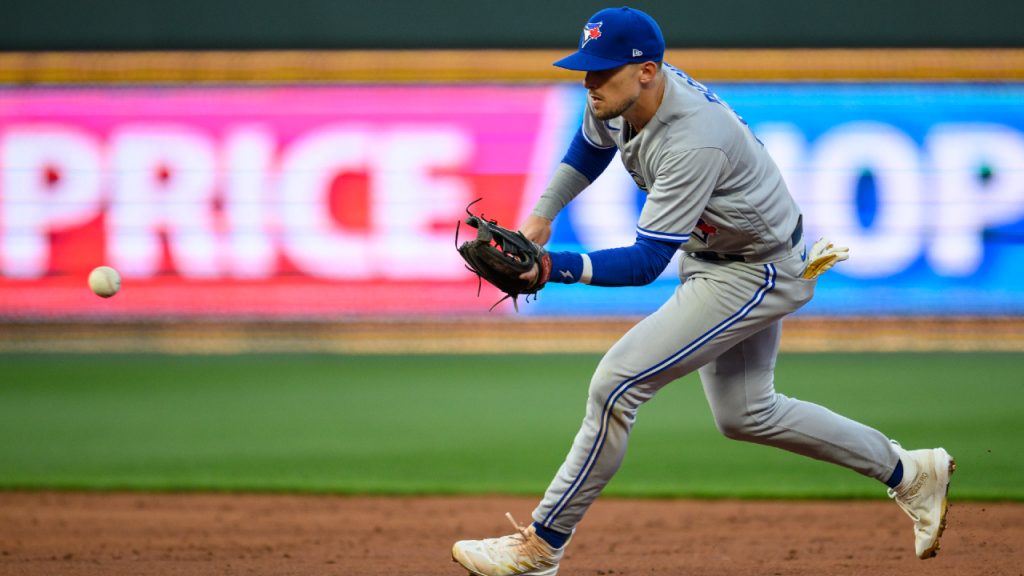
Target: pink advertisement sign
column 262, row 201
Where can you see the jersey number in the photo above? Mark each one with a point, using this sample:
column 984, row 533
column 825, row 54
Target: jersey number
column 711, row 96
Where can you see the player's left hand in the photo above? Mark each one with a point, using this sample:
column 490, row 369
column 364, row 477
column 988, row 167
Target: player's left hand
column 531, row 274
column 505, row 258
column 537, row 229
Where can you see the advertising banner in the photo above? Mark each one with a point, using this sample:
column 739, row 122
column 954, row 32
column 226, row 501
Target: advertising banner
column 260, row 201
column 924, row 183
column 333, row 201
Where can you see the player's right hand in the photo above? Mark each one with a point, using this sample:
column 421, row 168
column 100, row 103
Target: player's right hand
column 536, row 229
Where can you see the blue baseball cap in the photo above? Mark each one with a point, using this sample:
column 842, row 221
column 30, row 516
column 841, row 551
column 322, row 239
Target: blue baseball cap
column 616, row 36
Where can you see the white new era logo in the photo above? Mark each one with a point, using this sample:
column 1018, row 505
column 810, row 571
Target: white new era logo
column 637, row 53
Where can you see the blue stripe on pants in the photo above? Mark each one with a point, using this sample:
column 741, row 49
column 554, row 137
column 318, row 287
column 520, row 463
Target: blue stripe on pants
column 762, row 291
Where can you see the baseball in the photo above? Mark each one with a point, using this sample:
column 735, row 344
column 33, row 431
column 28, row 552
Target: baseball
column 104, row 281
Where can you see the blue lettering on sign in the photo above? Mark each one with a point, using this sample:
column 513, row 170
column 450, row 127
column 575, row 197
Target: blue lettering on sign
column 925, row 179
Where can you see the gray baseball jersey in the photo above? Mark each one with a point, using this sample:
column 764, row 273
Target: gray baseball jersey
column 709, row 182
column 711, row 185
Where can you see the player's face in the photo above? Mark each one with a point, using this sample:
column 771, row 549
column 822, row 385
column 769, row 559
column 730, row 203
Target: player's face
column 614, row 91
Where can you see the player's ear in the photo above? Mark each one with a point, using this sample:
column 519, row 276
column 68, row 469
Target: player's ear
column 649, row 71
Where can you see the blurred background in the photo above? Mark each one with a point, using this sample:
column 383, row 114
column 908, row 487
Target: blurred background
column 286, row 177
column 308, row 161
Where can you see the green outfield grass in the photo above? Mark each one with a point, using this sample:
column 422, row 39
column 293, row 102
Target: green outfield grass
column 470, row 424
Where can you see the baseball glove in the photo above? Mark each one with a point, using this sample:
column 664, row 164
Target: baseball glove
column 501, row 256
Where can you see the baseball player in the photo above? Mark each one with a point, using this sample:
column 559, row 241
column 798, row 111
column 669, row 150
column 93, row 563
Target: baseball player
column 713, row 192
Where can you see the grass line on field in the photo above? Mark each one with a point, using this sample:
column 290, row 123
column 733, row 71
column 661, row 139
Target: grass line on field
column 448, row 424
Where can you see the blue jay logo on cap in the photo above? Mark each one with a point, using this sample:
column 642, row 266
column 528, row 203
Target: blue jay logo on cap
column 591, row 31
column 627, row 36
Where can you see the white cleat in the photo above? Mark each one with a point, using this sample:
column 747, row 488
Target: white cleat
column 520, row 554
column 923, row 495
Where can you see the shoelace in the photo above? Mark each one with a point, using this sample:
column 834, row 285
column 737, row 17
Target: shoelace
column 905, row 505
column 521, row 529
column 907, row 500
column 532, row 547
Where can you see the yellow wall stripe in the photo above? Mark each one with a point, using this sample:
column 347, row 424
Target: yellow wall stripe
column 409, row 66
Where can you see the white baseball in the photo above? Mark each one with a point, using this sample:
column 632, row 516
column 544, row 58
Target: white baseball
column 104, row 281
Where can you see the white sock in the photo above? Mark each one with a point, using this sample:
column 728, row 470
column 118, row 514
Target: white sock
column 909, row 468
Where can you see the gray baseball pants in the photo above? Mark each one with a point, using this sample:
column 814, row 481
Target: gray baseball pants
column 725, row 321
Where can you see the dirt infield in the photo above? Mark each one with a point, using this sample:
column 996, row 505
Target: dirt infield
column 86, row 534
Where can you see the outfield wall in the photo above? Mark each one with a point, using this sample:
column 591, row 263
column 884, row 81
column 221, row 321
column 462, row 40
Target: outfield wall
column 475, row 24
column 276, row 199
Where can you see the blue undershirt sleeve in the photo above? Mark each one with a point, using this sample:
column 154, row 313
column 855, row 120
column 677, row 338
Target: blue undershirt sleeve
column 635, row 265
column 586, row 158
